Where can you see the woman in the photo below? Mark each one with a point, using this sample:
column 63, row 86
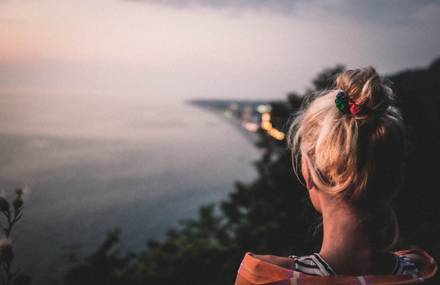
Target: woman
column 349, row 144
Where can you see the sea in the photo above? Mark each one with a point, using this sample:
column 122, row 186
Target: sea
column 93, row 163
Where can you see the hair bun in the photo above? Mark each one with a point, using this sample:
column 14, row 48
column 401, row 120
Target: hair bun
column 367, row 88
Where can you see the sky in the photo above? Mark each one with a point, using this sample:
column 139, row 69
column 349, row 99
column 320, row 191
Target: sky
column 179, row 49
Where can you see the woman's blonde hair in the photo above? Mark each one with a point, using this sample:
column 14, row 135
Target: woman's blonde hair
column 359, row 157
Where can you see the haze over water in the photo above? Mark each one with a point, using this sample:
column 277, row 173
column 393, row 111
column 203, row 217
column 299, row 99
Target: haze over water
column 93, row 165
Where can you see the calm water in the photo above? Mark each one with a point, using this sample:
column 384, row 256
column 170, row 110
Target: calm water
column 94, row 163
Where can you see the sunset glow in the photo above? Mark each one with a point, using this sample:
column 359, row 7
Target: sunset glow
column 195, row 49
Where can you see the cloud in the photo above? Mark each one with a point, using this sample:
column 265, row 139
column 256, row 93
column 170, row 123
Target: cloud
column 391, row 11
column 11, row 21
column 276, row 5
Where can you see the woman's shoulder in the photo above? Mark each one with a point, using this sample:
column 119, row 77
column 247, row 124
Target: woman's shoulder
column 284, row 262
column 416, row 261
column 272, row 269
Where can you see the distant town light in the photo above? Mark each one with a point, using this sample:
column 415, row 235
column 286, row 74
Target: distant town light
column 252, row 127
column 264, row 108
column 276, row 134
column 267, row 126
column 228, row 114
column 265, row 117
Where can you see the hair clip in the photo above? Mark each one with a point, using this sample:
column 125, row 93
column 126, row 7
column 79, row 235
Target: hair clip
column 345, row 105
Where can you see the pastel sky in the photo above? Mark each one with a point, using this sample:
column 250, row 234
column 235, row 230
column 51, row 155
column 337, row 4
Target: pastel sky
column 205, row 48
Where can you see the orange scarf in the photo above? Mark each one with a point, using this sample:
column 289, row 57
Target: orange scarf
column 254, row 271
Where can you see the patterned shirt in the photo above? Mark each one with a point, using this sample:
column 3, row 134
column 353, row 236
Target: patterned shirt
column 314, row 264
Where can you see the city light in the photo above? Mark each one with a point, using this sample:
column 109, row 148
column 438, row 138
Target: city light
column 267, row 125
column 264, row 108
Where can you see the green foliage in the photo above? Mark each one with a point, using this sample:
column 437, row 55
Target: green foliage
column 272, row 214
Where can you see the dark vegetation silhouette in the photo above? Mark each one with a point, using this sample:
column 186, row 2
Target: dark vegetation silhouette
column 272, row 214
column 11, row 213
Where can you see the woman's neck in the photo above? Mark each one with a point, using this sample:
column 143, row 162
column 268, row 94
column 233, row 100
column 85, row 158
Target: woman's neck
column 345, row 243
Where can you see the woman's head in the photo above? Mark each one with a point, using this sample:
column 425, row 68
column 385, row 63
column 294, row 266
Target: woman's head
column 353, row 156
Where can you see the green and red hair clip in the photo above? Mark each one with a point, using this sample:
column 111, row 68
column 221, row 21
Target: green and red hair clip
column 346, row 105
